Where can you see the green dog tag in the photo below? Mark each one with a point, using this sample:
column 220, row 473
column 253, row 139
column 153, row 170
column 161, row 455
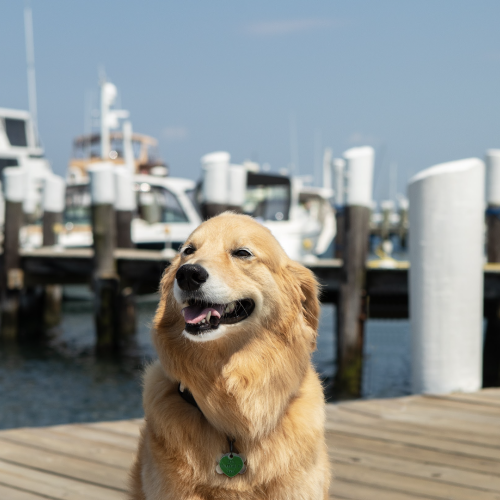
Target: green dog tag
column 231, row 464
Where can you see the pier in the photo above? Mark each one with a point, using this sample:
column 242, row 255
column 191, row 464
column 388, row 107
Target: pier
column 434, row 447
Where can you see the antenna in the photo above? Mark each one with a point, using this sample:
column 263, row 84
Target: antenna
column 294, row 148
column 318, row 139
column 30, row 63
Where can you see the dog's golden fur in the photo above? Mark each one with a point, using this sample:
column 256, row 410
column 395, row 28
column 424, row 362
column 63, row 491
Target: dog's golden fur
column 255, row 383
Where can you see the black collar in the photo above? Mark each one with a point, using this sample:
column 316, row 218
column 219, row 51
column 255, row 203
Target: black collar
column 187, row 396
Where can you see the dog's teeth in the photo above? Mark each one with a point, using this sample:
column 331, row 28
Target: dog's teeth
column 230, row 307
column 181, row 387
column 202, row 321
column 209, row 314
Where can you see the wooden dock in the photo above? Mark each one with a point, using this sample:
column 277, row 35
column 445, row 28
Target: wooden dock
column 417, row 447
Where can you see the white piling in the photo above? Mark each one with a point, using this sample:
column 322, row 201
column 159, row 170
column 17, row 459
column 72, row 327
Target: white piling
column 446, row 276
column 237, row 187
column 339, row 181
column 493, row 177
column 54, row 193
column 359, row 173
column 124, row 189
column 13, row 184
column 102, row 183
column 215, row 182
column 327, row 168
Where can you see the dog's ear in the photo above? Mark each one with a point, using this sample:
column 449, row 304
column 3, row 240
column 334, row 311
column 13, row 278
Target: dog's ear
column 168, row 278
column 309, row 288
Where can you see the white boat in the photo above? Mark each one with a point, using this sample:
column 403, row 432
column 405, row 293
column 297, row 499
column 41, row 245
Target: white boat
column 165, row 216
column 19, row 148
column 300, row 217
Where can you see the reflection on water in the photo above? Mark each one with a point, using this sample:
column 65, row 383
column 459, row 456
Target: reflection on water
column 61, row 381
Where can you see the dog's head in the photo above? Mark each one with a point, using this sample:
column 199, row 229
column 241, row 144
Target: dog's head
column 232, row 282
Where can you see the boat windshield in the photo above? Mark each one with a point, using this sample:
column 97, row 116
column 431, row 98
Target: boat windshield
column 267, row 197
column 154, row 204
column 158, row 204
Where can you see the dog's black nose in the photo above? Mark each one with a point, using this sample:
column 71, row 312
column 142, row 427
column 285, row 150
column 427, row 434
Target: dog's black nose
column 191, row 276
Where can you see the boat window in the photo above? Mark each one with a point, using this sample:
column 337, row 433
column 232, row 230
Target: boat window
column 16, row 131
column 8, row 162
column 268, row 202
column 158, row 204
column 195, row 198
column 77, row 204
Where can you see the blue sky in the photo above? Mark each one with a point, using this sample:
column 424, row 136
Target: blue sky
column 419, row 80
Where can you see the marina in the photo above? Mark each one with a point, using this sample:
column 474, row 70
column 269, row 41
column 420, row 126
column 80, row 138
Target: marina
column 435, row 447
column 397, row 215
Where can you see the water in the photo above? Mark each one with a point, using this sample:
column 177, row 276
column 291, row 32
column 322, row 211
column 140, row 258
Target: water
column 61, row 381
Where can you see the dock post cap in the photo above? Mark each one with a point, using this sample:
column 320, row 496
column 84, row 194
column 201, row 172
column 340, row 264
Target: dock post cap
column 216, row 157
column 102, row 185
column 446, row 168
column 54, row 193
column 492, row 159
column 14, row 179
column 358, row 152
column 359, row 175
column 124, row 190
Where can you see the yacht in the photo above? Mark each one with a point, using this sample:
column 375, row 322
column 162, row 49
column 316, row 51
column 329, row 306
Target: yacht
column 19, row 147
column 301, row 217
column 165, row 216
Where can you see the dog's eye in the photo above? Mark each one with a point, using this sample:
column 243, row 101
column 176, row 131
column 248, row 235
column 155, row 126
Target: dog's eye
column 188, row 251
column 242, row 253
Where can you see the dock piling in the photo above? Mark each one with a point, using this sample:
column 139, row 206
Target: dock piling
column 215, row 183
column 53, row 202
column 351, row 313
column 125, row 205
column 339, row 187
column 105, row 278
column 446, row 278
column 491, row 349
column 12, row 279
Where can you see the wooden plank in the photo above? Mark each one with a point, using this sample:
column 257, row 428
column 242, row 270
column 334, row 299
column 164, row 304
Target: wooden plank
column 120, row 427
column 99, row 435
column 421, row 441
column 401, row 450
column 431, row 408
column 8, row 493
column 427, row 417
column 409, row 467
column 103, row 475
column 65, row 444
column 406, row 484
column 341, row 489
column 52, row 485
column 415, row 425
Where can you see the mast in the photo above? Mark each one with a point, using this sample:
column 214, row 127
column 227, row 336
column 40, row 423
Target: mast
column 30, row 64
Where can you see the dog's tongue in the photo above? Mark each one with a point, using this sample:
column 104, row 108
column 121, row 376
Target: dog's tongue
column 194, row 314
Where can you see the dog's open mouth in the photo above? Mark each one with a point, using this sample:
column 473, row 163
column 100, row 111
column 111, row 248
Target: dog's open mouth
column 202, row 316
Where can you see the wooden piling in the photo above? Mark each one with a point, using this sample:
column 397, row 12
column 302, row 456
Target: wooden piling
column 12, row 276
column 351, row 311
column 125, row 205
column 491, row 348
column 339, row 241
column 105, row 278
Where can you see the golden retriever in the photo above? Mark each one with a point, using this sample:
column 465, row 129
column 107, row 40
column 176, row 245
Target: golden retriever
column 234, row 332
